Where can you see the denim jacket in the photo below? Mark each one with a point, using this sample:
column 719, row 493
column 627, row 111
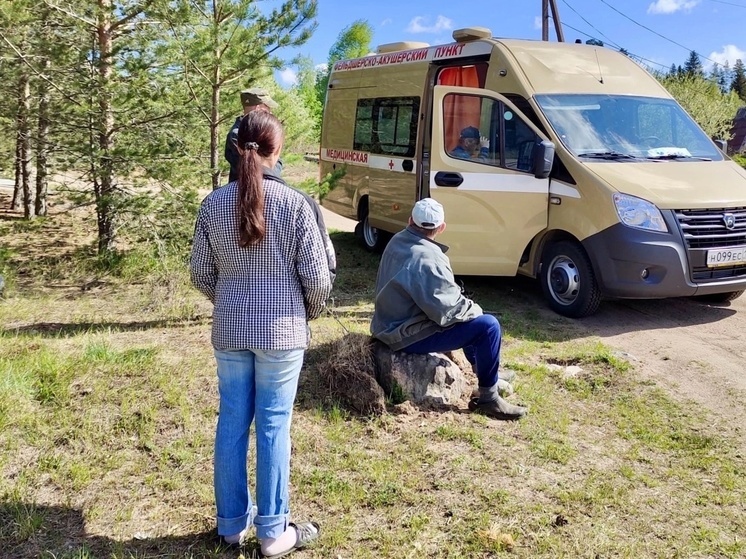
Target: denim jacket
column 416, row 293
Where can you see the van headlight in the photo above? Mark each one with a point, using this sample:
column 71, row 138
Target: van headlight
column 639, row 213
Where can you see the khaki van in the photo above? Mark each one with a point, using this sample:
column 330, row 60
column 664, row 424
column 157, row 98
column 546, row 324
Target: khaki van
column 586, row 175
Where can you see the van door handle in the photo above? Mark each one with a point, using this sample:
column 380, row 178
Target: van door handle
column 444, row 178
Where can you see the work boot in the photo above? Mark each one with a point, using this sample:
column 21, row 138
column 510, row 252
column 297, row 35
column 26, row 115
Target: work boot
column 497, row 408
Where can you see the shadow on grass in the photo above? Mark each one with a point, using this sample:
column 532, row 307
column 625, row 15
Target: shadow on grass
column 62, row 329
column 31, row 530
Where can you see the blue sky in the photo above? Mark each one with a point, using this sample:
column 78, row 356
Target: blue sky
column 716, row 29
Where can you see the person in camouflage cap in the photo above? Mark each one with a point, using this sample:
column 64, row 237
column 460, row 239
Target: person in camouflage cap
column 254, row 99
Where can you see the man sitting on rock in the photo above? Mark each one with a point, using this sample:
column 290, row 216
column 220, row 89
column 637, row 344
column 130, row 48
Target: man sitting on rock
column 419, row 308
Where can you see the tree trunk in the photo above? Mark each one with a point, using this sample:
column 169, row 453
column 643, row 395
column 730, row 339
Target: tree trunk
column 214, row 146
column 24, row 151
column 105, row 207
column 15, row 205
column 215, row 100
column 42, row 147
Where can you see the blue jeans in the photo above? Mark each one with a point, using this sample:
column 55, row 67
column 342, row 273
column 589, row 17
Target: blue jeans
column 480, row 339
column 254, row 385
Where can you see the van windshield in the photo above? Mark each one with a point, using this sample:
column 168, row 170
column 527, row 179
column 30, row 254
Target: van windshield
column 626, row 128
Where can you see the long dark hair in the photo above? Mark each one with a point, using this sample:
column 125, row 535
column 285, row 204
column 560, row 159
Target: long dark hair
column 259, row 136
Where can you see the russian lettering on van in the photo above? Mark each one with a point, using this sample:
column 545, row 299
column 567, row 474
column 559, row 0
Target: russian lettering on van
column 455, row 50
column 346, row 156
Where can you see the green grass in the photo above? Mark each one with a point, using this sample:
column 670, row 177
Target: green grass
column 108, row 404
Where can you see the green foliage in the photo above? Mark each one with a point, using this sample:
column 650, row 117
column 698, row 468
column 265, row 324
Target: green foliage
column 320, row 189
column 741, row 160
column 306, row 91
column 352, row 42
column 150, row 104
column 704, row 101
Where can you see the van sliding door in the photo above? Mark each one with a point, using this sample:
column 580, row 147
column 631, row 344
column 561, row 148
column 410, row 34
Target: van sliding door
column 482, row 174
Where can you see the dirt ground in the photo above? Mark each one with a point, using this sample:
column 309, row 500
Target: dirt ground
column 694, row 351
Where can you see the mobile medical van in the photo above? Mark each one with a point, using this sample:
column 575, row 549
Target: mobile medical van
column 595, row 181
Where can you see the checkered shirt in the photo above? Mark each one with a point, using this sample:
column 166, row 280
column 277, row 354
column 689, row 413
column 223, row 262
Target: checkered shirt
column 263, row 295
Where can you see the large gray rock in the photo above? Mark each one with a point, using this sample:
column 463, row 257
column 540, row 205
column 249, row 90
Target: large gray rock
column 429, row 379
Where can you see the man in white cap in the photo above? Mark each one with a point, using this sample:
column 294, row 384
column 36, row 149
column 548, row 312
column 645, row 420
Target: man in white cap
column 254, row 99
column 419, row 308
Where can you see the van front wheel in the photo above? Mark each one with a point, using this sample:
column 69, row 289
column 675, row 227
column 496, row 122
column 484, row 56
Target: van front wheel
column 568, row 281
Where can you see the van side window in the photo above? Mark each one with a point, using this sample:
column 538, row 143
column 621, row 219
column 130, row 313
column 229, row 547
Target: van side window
column 387, row 126
column 471, row 128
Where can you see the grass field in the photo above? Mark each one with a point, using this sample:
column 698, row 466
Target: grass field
column 108, row 406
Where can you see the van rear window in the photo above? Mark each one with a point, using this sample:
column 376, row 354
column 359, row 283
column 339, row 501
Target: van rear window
column 387, row 125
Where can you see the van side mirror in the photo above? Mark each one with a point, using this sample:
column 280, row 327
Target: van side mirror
column 722, row 144
column 543, row 157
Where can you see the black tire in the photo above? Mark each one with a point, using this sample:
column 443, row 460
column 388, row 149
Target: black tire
column 372, row 239
column 568, row 281
column 719, row 297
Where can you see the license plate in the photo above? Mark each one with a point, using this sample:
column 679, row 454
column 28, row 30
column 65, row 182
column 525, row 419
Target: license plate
column 726, row 257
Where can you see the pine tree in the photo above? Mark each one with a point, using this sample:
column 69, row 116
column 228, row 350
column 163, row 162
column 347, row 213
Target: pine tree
column 738, row 84
column 693, row 65
column 229, row 45
column 726, row 77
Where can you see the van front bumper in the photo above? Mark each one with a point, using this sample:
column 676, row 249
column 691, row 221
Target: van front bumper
column 634, row 264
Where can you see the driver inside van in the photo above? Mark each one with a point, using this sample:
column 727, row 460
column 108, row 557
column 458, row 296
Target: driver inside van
column 471, row 145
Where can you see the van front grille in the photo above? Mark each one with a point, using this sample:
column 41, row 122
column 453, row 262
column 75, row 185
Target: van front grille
column 705, row 229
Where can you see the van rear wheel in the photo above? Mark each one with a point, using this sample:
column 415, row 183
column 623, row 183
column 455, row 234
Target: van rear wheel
column 568, row 281
column 373, row 239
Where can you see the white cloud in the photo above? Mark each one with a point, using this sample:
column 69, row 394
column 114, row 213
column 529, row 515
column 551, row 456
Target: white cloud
column 321, row 67
column 671, row 6
column 387, row 21
column 419, row 25
column 729, row 53
column 288, row 77
column 537, row 22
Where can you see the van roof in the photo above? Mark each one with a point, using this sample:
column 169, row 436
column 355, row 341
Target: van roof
column 548, row 67
column 553, row 67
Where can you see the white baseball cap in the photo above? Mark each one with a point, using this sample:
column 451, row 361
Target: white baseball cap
column 428, row 214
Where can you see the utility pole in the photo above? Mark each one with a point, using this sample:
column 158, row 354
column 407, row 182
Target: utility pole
column 545, row 6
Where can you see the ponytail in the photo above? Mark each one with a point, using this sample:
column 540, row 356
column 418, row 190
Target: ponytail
column 259, row 136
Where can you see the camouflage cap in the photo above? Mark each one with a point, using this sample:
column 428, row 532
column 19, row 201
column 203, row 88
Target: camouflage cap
column 257, row 96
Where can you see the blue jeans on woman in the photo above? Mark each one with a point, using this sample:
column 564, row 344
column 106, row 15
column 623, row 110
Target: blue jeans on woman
column 480, row 338
column 258, row 386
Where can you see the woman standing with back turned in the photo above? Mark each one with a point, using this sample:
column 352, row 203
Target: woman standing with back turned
column 259, row 257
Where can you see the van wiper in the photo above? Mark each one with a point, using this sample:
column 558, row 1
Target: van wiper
column 606, row 155
column 674, row 156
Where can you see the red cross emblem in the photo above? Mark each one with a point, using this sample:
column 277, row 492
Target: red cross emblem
column 391, row 164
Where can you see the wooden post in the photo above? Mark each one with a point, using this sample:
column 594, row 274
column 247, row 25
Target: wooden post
column 544, row 20
column 557, row 23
